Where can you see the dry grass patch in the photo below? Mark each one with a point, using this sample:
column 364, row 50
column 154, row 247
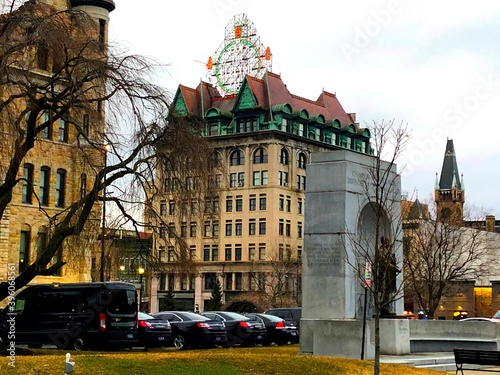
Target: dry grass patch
column 265, row 361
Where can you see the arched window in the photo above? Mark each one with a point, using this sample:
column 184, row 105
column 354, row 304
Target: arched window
column 301, row 161
column 237, row 158
column 260, row 156
column 284, row 156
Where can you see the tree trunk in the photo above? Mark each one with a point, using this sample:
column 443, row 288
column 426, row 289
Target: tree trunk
column 376, row 367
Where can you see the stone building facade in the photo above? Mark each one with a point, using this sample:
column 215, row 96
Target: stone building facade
column 59, row 170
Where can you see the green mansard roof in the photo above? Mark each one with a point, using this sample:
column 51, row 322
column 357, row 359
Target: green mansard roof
column 450, row 177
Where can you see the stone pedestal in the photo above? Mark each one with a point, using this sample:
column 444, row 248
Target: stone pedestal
column 394, row 336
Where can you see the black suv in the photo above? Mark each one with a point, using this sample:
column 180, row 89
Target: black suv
column 72, row 316
column 287, row 313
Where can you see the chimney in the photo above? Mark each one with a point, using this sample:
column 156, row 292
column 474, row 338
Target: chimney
column 490, row 223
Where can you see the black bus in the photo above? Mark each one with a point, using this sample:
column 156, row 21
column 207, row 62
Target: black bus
column 72, row 316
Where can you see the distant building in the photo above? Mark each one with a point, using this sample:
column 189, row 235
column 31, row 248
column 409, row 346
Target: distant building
column 251, row 235
column 466, row 298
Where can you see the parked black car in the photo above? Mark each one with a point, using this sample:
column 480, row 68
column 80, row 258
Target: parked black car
column 193, row 330
column 288, row 313
column 279, row 331
column 154, row 332
column 240, row 329
column 73, row 316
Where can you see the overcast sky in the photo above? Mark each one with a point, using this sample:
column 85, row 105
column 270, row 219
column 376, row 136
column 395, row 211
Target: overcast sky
column 432, row 64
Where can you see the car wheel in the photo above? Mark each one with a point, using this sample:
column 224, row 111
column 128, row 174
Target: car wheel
column 180, row 342
column 80, row 343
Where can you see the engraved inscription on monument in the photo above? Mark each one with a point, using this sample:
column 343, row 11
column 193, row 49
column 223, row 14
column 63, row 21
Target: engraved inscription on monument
column 323, row 255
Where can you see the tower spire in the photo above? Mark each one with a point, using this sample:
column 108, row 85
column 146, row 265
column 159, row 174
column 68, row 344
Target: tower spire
column 449, row 190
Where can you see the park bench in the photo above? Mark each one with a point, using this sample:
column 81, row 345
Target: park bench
column 476, row 357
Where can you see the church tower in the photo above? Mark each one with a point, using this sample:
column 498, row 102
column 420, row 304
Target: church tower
column 449, row 192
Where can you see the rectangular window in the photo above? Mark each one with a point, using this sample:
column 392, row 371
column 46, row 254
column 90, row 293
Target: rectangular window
column 171, row 230
column 303, row 182
column 206, row 253
column 299, row 206
column 184, row 282
column 171, row 208
column 232, row 179
column 262, row 227
column 163, row 281
column 251, row 251
column 208, row 206
column 192, row 230
column 209, row 280
column 192, row 252
column 288, row 206
column 161, row 255
column 86, row 125
column 229, row 204
column 194, row 207
column 229, row 281
column 238, row 277
column 216, row 206
column 239, row 205
column 46, row 121
column 281, row 204
column 44, row 185
column 171, row 282
column 207, row 229
column 229, row 253
column 252, row 204
column 281, row 227
column 215, row 253
column 27, row 183
column 256, row 178
column 184, row 230
column 171, row 254
column 218, row 180
column 241, row 179
column 215, row 229
column 298, row 182
column 238, row 228
column 102, row 32
column 287, row 229
column 41, row 243
column 251, row 227
column 63, row 131
column 264, row 177
column 229, row 228
column 262, row 251
column 60, row 187
column 214, row 129
column 163, row 208
column 24, row 251
column 262, row 203
column 299, row 229
column 237, row 253
column 163, row 232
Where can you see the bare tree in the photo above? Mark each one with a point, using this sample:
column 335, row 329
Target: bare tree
column 371, row 247
column 440, row 253
column 276, row 280
column 53, row 66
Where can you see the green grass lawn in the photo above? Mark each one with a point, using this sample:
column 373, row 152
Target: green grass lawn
column 258, row 360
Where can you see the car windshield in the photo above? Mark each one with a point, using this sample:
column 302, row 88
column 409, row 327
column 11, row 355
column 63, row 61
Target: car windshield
column 143, row 316
column 497, row 314
column 234, row 316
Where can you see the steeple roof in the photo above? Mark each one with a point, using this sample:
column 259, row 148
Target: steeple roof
column 450, row 177
column 417, row 212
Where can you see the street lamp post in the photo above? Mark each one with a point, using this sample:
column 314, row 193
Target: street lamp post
column 122, row 268
column 106, row 149
column 141, row 272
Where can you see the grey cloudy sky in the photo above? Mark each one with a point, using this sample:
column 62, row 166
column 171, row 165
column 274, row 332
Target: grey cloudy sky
column 434, row 65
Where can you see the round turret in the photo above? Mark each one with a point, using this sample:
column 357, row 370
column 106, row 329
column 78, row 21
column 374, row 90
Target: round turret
column 109, row 5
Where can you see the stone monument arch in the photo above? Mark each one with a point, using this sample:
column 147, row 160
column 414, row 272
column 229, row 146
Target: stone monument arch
column 338, row 210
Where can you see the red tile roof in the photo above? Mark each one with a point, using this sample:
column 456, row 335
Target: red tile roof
column 265, row 90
